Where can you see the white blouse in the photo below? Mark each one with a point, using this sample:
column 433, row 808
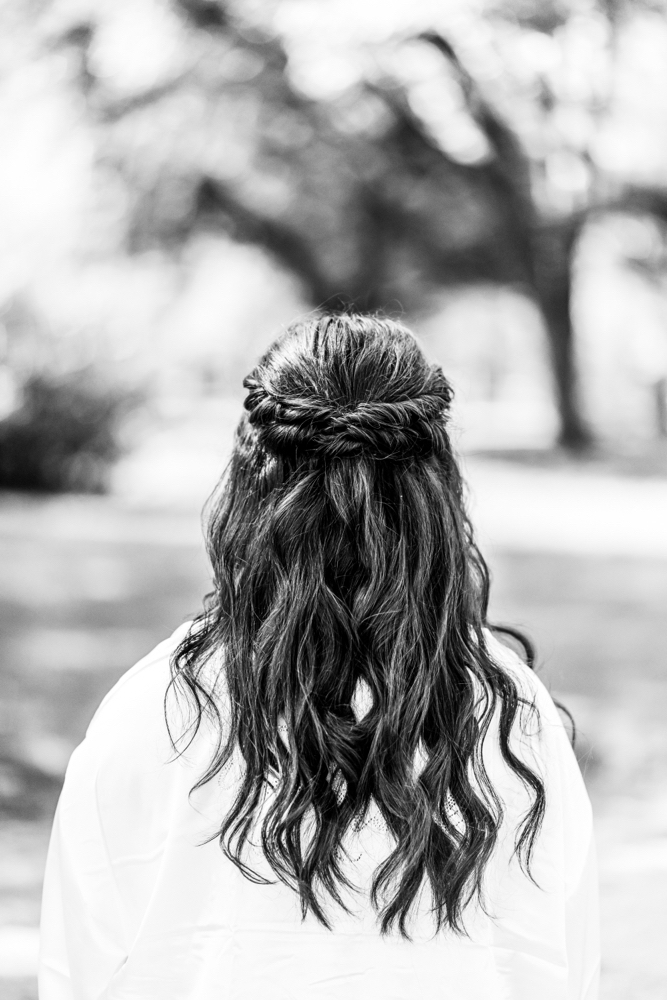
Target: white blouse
column 137, row 906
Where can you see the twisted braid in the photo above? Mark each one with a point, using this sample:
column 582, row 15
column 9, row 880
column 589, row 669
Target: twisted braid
column 381, row 429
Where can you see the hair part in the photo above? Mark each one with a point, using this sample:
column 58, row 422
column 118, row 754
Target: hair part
column 342, row 552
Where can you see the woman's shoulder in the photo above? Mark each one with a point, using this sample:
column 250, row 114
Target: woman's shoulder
column 127, row 779
column 539, row 734
column 141, row 687
column 132, row 725
column 530, row 686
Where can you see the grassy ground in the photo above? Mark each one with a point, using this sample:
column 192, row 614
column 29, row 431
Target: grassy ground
column 87, row 586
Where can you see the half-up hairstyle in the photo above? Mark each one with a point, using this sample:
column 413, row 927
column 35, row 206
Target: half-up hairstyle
column 342, row 553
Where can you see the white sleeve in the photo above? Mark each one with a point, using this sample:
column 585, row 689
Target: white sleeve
column 582, row 921
column 114, row 786
column 582, row 933
column 557, row 923
column 81, row 936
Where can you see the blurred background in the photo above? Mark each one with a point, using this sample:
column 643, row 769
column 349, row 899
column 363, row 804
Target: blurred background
column 181, row 178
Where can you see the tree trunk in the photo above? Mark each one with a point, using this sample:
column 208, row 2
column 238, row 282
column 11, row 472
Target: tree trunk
column 552, row 288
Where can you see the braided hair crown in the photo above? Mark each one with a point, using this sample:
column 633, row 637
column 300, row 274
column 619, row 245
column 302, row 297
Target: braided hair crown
column 347, row 386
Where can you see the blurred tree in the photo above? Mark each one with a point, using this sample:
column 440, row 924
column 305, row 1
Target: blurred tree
column 404, row 181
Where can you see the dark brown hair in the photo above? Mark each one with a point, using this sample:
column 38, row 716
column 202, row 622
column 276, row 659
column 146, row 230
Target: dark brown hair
column 341, row 552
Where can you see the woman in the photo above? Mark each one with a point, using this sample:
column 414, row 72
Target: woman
column 335, row 782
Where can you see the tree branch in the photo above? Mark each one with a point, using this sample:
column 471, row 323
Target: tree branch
column 509, row 170
column 215, row 201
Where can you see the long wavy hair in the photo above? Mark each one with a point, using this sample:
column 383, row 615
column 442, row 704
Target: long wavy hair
column 342, row 553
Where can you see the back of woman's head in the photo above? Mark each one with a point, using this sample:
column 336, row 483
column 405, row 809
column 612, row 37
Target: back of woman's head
column 343, row 558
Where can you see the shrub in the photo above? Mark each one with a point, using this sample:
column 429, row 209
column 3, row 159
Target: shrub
column 64, row 435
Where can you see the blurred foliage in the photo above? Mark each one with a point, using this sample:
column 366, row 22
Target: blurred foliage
column 403, row 179
column 63, row 436
column 379, row 153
